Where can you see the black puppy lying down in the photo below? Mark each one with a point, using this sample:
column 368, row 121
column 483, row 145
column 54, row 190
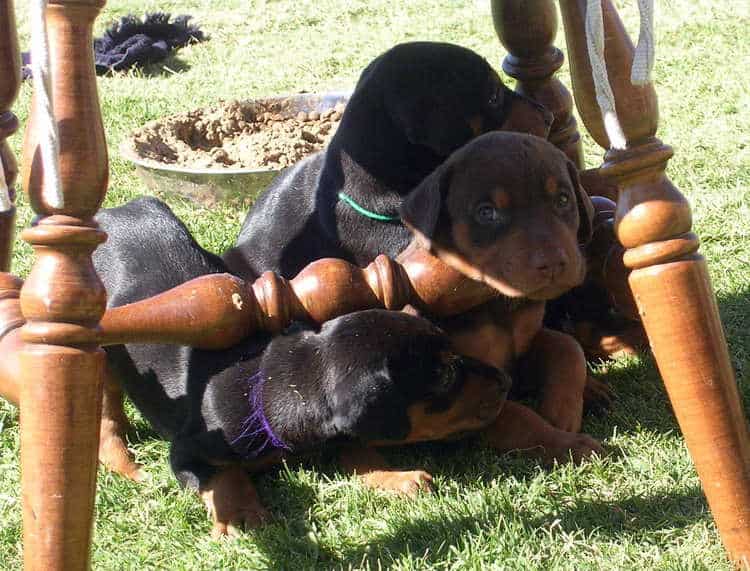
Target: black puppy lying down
column 375, row 377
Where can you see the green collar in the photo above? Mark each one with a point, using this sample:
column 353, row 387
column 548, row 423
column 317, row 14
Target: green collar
column 367, row 213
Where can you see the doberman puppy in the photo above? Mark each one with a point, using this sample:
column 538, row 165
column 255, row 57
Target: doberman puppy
column 412, row 107
column 369, row 378
column 508, row 210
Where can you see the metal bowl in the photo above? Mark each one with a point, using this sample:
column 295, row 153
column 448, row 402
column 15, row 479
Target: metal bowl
column 211, row 186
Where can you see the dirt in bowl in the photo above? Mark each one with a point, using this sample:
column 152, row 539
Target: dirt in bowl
column 236, row 134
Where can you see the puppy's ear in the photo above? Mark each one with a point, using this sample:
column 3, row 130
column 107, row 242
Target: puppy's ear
column 369, row 409
column 366, row 74
column 430, row 121
column 423, row 206
column 585, row 207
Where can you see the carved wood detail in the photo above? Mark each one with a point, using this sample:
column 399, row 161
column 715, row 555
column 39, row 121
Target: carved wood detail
column 218, row 310
column 527, row 29
column 62, row 301
column 669, row 280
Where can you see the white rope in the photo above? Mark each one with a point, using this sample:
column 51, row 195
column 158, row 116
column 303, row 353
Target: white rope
column 604, row 96
column 640, row 71
column 49, row 145
column 643, row 59
column 5, row 203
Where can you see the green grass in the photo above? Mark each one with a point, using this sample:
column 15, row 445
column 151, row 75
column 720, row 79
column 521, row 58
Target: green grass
column 640, row 507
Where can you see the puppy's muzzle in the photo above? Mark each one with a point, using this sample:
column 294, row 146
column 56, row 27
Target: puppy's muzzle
column 494, row 390
column 528, row 116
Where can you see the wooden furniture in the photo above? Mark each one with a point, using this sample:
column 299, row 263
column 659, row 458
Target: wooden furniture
column 56, row 352
column 10, row 72
column 62, row 302
column 669, row 278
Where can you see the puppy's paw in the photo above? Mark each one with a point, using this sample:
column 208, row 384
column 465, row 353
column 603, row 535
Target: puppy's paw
column 233, row 504
column 628, row 339
column 234, row 525
column 564, row 412
column 408, row 484
column 597, row 396
column 115, row 456
column 564, row 447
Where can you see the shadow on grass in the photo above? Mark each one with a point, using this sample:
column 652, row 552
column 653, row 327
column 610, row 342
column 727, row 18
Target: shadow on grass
column 431, row 534
column 641, row 397
column 634, row 515
column 142, row 432
column 431, row 538
column 166, row 67
column 735, row 315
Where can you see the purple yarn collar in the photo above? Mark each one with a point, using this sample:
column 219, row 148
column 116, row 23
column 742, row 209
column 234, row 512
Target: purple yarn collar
column 256, row 435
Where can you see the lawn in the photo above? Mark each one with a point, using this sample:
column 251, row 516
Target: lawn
column 640, row 507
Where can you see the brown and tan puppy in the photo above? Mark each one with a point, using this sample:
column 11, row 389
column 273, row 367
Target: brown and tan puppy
column 508, row 210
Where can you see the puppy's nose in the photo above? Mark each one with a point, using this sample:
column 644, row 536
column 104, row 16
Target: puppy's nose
column 549, row 264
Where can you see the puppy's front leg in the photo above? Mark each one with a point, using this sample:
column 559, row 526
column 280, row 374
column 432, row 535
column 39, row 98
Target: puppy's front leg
column 233, row 503
column 375, row 473
column 518, row 428
column 113, row 450
column 229, row 495
column 555, row 362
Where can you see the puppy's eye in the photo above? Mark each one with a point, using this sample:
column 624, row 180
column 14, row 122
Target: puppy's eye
column 562, row 200
column 496, row 97
column 486, row 213
column 447, row 378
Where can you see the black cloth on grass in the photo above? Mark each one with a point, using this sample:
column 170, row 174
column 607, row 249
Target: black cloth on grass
column 133, row 41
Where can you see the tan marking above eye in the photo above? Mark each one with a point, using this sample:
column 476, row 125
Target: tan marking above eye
column 501, row 198
column 550, row 186
column 461, row 237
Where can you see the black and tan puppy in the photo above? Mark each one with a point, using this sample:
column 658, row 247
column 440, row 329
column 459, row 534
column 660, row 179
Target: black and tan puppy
column 508, row 209
column 369, row 378
column 412, row 107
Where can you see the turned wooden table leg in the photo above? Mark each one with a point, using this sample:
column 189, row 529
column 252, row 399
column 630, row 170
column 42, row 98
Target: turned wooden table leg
column 10, row 72
column 670, row 281
column 62, row 302
column 527, row 29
